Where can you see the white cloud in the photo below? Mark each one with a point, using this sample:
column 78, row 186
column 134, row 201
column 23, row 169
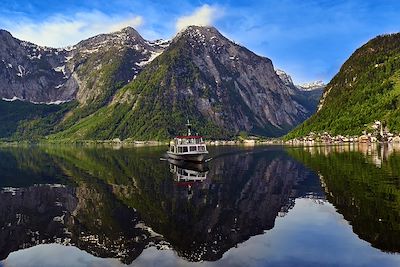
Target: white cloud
column 61, row 31
column 202, row 16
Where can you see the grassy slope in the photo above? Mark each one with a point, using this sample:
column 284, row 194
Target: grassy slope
column 100, row 83
column 146, row 108
column 22, row 120
column 26, row 121
column 367, row 88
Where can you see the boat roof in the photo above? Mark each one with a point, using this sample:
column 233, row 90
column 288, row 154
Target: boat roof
column 189, row 137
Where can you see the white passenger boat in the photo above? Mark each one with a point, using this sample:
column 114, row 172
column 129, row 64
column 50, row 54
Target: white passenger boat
column 188, row 147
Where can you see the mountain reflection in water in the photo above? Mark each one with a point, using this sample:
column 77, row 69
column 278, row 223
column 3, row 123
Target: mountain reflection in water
column 115, row 203
column 363, row 183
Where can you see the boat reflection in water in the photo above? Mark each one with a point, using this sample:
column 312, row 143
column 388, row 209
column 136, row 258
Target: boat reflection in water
column 187, row 174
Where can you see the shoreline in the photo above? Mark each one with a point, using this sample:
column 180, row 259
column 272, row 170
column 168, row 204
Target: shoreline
column 150, row 143
column 248, row 143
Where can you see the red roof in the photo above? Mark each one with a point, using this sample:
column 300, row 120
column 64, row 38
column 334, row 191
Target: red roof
column 189, row 137
column 185, row 184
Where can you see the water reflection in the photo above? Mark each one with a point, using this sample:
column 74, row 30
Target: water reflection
column 188, row 175
column 363, row 182
column 116, row 203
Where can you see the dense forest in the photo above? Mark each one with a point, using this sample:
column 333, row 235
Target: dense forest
column 366, row 89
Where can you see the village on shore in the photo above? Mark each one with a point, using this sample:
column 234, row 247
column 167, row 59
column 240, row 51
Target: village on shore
column 378, row 133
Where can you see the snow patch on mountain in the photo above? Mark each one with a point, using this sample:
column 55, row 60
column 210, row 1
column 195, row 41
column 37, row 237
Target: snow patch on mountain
column 151, row 58
column 287, row 79
column 12, row 99
column 312, row 85
column 60, row 69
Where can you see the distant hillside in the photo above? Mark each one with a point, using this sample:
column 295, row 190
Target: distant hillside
column 366, row 89
column 308, row 95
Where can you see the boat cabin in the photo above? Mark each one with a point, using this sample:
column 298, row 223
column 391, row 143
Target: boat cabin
column 188, row 144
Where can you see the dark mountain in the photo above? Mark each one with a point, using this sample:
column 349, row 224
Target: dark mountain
column 221, row 86
column 122, row 86
column 366, row 89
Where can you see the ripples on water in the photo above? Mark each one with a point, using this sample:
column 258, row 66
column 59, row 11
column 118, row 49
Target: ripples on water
column 263, row 206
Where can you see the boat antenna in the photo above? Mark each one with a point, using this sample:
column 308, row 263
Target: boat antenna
column 189, row 127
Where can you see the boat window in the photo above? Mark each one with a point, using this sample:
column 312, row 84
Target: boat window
column 185, row 149
column 193, row 148
column 201, row 148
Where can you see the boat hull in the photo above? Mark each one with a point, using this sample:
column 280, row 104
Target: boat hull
column 190, row 165
column 188, row 157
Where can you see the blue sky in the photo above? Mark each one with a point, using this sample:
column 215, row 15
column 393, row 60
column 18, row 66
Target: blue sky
column 308, row 39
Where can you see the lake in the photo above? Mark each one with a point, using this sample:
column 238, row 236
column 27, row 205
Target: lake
column 249, row 206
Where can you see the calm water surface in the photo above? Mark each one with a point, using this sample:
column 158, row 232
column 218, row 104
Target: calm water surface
column 264, row 206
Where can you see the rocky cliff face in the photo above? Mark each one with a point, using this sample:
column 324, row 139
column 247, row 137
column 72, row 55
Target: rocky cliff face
column 104, row 63
column 33, row 73
column 83, row 72
column 244, row 84
column 308, row 95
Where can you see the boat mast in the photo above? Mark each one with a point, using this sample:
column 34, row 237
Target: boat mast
column 189, row 127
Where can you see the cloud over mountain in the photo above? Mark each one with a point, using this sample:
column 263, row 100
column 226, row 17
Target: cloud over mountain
column 202, row 16
column 60, row 31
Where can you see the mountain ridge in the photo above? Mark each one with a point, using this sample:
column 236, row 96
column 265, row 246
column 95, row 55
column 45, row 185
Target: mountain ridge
column 214, row 75
column 204, row 76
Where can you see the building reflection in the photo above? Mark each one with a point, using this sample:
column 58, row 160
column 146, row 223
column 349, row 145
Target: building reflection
column 374, row 153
